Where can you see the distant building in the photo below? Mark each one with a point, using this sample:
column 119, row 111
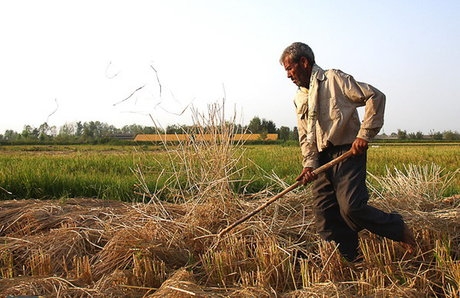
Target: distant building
column 202, row 137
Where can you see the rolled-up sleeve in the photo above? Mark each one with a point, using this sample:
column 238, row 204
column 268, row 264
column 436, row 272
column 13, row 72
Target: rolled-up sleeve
column 373, row 101
column 373, row 115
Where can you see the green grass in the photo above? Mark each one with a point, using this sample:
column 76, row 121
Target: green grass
column 382, row 159
column 55, row 172
column 101, row 171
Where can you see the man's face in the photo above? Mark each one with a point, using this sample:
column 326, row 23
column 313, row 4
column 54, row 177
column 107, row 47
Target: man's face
column 298, row 72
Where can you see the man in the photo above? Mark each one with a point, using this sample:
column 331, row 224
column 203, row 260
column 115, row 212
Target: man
column 328, row 124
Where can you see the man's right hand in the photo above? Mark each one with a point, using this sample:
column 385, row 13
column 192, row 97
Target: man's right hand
column 306, row 176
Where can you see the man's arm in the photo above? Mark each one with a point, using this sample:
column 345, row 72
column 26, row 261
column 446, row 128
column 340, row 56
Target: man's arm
column 373, row 101
column 309, row 151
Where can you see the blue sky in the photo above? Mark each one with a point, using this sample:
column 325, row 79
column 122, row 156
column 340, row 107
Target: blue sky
column 65, row 61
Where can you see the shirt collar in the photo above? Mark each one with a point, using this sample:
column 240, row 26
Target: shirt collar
column 319, row 72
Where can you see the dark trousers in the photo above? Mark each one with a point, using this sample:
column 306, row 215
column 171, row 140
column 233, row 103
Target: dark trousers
column 341, row 208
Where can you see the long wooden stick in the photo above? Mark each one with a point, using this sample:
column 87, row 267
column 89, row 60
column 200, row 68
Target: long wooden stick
column 290, row 188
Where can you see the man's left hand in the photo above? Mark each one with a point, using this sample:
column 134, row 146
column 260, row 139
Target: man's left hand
column 359, row 146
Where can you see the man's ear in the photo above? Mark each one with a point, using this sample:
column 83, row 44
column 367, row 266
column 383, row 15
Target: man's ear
column 304, row 62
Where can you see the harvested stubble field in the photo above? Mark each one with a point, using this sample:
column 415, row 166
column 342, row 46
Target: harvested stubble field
column 71, row 247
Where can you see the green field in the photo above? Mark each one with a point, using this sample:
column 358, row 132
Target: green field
column 105, row 172
column 85, row 242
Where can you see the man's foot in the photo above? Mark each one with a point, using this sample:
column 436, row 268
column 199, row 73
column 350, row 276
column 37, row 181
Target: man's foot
column 408, row 240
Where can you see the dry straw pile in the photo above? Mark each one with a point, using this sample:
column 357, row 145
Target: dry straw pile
column 96, row 248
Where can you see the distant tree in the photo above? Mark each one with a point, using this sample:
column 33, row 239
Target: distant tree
column 67, row 130
column 451, row 135
column 88, row 130
column 45, row 132
column 295, row 134
column 436, row 135
column 402, row 134
column 415, row 136
column 79, row 129
column 28, row 132
column 132, row 129
column 238, row 128
column 151, row 129
column 255, row 125
column 283, row 133
column 11, row 135
column 172, row 129
column 412, row 136
column 66, row 133
column 268, row 126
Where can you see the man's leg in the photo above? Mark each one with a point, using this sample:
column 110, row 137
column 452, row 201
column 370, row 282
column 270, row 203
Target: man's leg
column 352, row 195
column 330, row 224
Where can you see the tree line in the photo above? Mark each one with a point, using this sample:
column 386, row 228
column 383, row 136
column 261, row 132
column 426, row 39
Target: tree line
column 447, row 135
column 99, row 132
